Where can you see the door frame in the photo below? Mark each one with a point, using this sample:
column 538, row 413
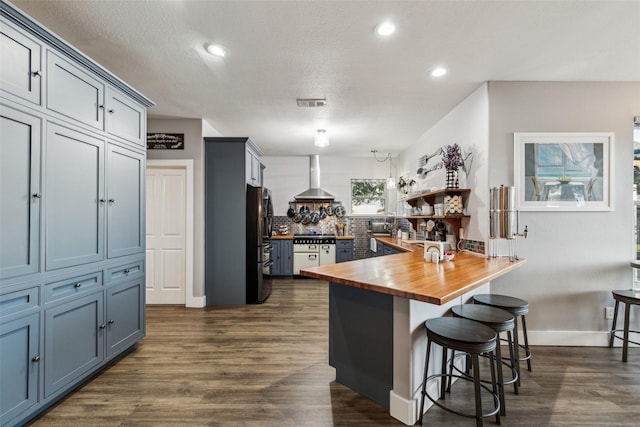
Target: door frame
column 187, row 165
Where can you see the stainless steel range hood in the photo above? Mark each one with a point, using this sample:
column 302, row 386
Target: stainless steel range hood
column 314, row 192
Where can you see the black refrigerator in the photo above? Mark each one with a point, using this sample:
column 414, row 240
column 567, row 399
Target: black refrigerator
column 259, row 228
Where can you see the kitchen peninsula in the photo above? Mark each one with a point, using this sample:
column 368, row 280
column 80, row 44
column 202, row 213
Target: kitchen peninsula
column 377, row 307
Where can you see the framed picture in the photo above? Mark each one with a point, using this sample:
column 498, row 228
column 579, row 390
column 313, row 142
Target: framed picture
column 564, row 171
column 165, row 141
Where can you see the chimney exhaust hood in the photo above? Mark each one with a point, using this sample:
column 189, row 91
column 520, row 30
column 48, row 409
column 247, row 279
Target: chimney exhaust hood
column 314, row 193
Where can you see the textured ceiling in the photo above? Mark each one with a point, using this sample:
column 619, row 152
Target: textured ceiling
column 377, row 90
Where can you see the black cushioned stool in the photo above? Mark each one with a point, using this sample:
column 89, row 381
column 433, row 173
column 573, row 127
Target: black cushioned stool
column 518, row 307
column 500, row 321
column 629, row 298
column 467, row 336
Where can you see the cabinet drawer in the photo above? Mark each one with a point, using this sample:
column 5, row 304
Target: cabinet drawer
column 344, row 244
column 14, row 302
column 20, row 67
column 71, row 287
column 74, row 93
column 125, row 118
column 124, row 272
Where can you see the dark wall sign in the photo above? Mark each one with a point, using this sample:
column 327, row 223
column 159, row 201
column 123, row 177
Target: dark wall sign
column 165, row 141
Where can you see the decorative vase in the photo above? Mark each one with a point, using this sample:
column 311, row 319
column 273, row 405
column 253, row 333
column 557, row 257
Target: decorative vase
column 452, row 179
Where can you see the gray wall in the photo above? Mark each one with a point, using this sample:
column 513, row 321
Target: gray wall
column 574, row 258
column 193, row 149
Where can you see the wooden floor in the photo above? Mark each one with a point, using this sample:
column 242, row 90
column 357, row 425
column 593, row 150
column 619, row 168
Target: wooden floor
column 266, row 365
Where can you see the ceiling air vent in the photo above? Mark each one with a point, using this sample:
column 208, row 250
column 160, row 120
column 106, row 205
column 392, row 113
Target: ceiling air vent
column 311, row 102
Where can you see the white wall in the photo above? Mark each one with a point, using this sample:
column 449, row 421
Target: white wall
column 574, row 258
column 468, row 126
column 289, row 176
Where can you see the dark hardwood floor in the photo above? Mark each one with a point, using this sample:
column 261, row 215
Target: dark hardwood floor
column 266, row 365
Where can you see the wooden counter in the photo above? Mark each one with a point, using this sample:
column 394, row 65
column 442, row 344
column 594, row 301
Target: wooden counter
column 290, row 237
column 408, row 275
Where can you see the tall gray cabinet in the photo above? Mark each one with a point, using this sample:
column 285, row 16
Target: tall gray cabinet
column 72, row 160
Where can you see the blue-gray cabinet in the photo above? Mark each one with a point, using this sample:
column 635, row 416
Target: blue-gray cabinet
column 344, row 250
column 20, row 71
column 20, row 144
column 72, row 217
column 282, row 256
column 20, row 367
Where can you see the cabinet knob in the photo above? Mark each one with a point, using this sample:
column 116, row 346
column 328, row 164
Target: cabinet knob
column 102, row 200
column 111, row 322
column 101, row 107
column 77, row 285
column 111, row 111
column 37, row 73
column 37, row 195
column 35, row 359
column 102, row 326
column 112, row 200
column 126, row 271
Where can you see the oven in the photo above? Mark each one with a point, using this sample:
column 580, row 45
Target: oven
column 312, row 250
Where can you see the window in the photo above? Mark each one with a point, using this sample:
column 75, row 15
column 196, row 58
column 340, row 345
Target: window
column 368, row 196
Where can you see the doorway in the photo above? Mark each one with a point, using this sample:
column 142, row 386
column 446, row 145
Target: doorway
column 169, row 231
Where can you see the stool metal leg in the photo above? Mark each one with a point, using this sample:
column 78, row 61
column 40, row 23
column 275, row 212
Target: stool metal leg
column 424, row 381
column 516, row 347
column 500, row 378
column 492, row 359
column 613, row 325
column 527, row 352
column 512, row 357
column 476, row 387
column 625, row 343
column 443, row 380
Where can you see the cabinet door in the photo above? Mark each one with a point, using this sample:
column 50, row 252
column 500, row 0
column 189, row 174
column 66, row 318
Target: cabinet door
column 125, row 315
column 20, row 355
column 74, row 341
column 276, row 257
column 74, row 93
column 20, row 142
column 125, row 204
column 249, row 167
column 20, row 64
column 74, row 228
column 125, row 118
column 287, row 258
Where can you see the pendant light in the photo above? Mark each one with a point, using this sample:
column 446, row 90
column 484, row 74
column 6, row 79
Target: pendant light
column 391, row 183
column 321, row 139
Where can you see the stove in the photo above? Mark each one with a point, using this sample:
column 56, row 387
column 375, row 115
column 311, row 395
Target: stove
column 310, row 239
column 311, row 250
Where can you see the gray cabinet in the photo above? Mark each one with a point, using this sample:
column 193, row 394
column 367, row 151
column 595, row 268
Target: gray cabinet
column 20, row 68
column 20, row 143
column 74, row 93
column 125, row 315
column 72, row 218
column 20, row 367
column 344, row 250
column 282, row 256
column 74, row 196
column 74, row 341
column 125, row 201
column 125, row 118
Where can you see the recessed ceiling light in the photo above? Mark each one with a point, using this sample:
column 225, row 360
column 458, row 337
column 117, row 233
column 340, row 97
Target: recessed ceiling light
column 438, row 72
column 217, row 50
column 385, row 29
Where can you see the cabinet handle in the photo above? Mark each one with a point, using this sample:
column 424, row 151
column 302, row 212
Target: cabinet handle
column 102, row 326
column 77, row 285
column 111, row 111
column 112, row 200
column 37, row 73
column 35, row 359
column 37, row 195
column 126, row 271
column 111, row 322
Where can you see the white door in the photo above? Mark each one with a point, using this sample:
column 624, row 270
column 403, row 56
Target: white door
column 166, row 235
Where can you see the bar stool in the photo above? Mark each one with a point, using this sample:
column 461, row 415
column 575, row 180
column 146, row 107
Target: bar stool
column 629, row 298
column 519, row 308
column 500, row 321
column 467, row 336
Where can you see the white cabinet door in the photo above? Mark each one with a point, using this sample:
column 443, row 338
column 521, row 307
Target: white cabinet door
column 125, row 118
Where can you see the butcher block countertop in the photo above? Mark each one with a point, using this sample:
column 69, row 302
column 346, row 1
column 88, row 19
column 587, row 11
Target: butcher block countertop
column 290, row 237
column 408, row 275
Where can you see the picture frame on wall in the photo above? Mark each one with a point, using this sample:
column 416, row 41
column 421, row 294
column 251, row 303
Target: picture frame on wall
column 563, row 171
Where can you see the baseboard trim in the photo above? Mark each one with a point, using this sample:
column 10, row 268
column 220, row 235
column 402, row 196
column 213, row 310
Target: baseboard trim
column 402, row 409
column 571, row 338
column 196, row 302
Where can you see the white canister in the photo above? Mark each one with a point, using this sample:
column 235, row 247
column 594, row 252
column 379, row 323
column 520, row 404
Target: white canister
column 405, row 235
